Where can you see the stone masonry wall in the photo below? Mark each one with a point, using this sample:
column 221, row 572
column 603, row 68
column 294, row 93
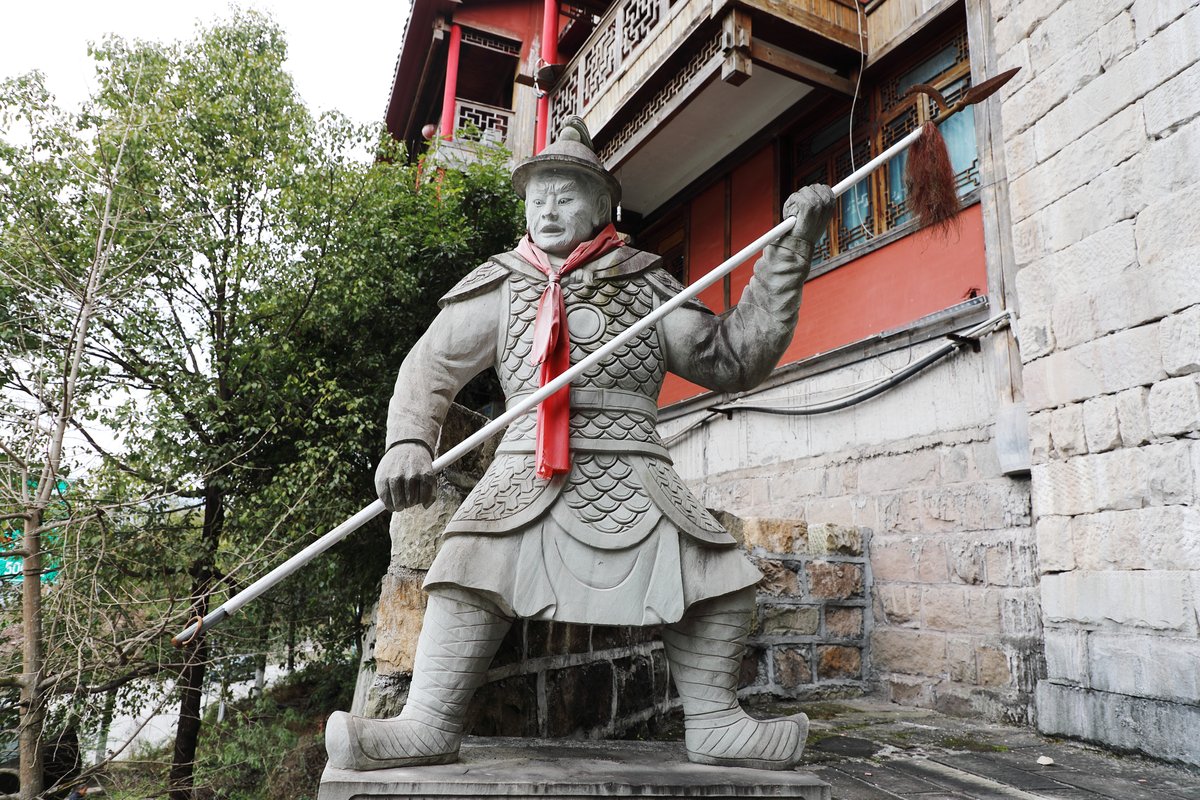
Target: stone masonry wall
column 954, row 621
column 1102, row 143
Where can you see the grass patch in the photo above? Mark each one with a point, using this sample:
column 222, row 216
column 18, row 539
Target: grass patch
column 972, row 745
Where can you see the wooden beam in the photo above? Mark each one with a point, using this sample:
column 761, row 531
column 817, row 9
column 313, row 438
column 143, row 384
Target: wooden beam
column 735, row 43
column 795, row 67
column 831, row 19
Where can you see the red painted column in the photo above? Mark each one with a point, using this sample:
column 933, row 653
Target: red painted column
column 448, row 94
column 549, row 56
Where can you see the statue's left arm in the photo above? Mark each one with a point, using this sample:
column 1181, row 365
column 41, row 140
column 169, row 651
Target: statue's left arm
column 736, row 351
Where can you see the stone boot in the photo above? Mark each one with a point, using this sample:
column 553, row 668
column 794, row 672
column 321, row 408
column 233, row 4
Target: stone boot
column 705, row 652
column 459, row 636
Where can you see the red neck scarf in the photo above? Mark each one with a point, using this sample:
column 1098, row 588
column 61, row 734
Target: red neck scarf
column 552, row 348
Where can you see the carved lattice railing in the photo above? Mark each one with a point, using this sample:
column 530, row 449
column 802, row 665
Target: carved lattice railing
column 620, row 37
column 483, row 122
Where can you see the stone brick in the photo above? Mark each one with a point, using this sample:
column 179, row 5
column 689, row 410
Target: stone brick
column 1011, row 563
column 1129, row 723
column 1056, row 551
column 979, row 505
column 1173, row 49
column 843, row 622
column 909, row 691
column 556, row 638
column 1019, row 153
column 1175, row 406
column 1014, row 28
column 1078, row 215
column 1039, row 436
column 966, row 562
column 1133, row 416
column 1173, row 162
column 838, row 662
column 834, row 580
column 1116, row 39
column 1155, row 538
column 1037, row 337
column 1045, row 89
column 1145, row 666
column 1078, row 163
column 993, row 667
column 775, row 535
column 909, row 560
column 898, row 605
column 1180, row 336
column 1151, row 16
column 637, row 688
column 789, row 620
column 960, row 659
column 753, row 671
column 911, row 652
column 1066, row 654
column 1074, row 320
column 1168, row 225
column 1174, row 103
column 843, row 540
column 1063, row 488
column 1101, row 427
column 1149, row 599
column 778, row 578
column 792, row 668
column 1066, row 431
column 1069, row 24
column 960, row 608
column 507, row 707
column 1021, row 613
column 578, row 698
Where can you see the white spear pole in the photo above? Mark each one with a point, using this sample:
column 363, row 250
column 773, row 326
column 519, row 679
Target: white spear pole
column 235, row 603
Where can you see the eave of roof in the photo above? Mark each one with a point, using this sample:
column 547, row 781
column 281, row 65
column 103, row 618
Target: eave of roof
column 411, row 62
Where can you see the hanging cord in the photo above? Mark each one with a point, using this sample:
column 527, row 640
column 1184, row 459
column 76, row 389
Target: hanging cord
column 862, row 65
column 954, row 343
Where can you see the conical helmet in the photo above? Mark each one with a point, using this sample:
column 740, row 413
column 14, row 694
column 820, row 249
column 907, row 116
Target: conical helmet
column 572, row 149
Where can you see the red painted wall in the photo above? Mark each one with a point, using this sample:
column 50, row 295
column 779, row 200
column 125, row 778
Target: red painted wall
column 520, row 19
column 753, row 199
column 885, row 289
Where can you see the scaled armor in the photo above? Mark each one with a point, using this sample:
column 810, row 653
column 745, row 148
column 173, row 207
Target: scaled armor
column 619, row 540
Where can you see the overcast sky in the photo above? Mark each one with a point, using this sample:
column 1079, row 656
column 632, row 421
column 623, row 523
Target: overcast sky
column 341, row 55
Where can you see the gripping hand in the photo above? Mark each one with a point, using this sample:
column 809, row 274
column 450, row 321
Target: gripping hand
column 405, row 476
column 812, row 207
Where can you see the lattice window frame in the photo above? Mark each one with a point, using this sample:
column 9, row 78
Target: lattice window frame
column 884, row 117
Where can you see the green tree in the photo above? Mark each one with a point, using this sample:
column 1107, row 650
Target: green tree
column 259, row 283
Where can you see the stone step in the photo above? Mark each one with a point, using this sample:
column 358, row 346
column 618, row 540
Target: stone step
column 515, row 769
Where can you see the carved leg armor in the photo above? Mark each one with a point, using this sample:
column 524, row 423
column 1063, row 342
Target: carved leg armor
column 705, row 652
column 459, row 636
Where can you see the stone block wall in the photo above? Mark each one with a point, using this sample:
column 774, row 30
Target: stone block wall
column 1102, row 143
column 953, row 622
column 813, row 611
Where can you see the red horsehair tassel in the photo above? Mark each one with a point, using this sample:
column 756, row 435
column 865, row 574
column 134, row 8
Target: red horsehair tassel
column 932, row 194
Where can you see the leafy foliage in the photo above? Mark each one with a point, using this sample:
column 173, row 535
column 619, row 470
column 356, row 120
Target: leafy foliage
column 261, row 283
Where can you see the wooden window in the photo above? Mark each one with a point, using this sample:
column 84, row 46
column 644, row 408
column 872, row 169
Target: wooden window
column 821, row 149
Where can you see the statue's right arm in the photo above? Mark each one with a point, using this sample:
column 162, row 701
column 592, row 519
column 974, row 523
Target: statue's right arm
column 459, row 345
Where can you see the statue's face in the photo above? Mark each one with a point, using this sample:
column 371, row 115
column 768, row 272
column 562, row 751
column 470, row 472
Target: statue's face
column 563, row 210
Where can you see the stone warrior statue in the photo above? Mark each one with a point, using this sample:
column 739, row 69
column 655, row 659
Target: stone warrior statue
column 581, row 517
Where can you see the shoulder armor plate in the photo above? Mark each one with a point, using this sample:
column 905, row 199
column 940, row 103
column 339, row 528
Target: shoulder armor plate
column 666, row 286
column 478, row 281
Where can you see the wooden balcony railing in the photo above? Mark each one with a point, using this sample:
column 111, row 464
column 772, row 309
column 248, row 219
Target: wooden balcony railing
column 486, row 123
column 634, row 37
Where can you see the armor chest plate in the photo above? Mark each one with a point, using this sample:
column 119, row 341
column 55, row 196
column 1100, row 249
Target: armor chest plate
column 596, row 312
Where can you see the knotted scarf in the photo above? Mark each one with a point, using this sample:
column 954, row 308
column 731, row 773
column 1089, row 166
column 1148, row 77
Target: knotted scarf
column 552, row 348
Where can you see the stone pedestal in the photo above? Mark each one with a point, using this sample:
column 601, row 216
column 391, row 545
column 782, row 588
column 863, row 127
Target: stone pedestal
column 515, row 769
